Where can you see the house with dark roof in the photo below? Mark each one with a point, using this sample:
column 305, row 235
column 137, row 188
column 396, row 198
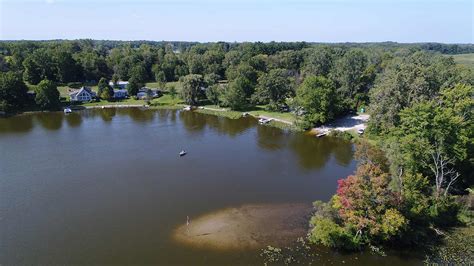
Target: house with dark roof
column 144, row 92
column 120, row 94
column 84, row 94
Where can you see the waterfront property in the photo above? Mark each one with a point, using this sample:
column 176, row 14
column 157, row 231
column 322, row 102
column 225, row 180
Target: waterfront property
column 84, row 94
column 119, row 84
column 144, row 92
column 120, row 93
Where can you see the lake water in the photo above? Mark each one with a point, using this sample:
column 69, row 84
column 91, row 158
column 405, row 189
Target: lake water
column 108, row 186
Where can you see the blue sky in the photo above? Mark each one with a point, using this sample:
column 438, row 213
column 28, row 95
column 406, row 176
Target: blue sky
column 449, row 21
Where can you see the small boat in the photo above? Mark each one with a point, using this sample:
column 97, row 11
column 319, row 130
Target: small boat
column 360, row 131
column 67, row 110
column 263, row 121
column 182, row 153
column 187, row 108
column 321, row 134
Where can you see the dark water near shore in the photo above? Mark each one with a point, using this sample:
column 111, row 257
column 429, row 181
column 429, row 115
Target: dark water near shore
column 107, row 186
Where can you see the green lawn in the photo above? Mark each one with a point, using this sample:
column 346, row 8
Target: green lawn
column 465, row 60
column 219, row 111
column 122, row 102
column 256, row 111
column 163, row 101
column 260, row 111
column 167, row 100
column 156, row 85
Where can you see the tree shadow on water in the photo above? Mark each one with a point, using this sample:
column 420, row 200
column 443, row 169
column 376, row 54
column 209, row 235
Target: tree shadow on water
column 16, row 124
column 50, row 120
column 314, row 153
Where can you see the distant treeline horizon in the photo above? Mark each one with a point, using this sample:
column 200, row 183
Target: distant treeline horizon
column 444, row 48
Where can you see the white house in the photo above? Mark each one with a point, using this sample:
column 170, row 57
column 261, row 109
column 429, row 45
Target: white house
column 120, row 94
column 84, row 94
column 120, row 84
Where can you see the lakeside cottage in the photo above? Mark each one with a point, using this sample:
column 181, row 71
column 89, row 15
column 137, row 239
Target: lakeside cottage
column 120, row 84
column 143, row 92
column 84, row 94
column 120, row 94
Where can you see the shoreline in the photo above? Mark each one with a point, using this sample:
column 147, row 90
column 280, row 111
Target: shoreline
column 348, row 123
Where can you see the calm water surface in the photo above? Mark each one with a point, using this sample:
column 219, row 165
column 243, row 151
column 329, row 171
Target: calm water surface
column 107, row 186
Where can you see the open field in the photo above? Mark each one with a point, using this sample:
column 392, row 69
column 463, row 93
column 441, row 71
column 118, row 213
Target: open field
column 465, row 60
column 156, row 85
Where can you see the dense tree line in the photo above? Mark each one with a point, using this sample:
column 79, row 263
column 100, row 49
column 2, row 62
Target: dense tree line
column 404, row 190
column 268, row 74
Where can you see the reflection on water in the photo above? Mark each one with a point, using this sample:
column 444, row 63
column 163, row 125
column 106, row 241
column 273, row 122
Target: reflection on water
column 18, row 124
column 50, row 121
column 111, row 180
column 74, row 119
column 107, row 114
column 271, row 139
column 312, row 153
column 316, row 152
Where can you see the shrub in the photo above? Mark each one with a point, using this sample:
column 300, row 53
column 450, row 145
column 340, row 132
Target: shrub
column 392, row 223
column 326, row 232
column 341, row 134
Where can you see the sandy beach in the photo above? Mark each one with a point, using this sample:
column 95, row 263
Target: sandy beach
column 246, row 227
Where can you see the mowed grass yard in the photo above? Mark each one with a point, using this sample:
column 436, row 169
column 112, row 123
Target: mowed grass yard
column 465, row 60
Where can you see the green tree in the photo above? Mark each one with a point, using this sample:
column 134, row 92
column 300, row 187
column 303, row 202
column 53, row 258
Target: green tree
column 172, row 92
column 104, row 90
column 405, row 81
column 139, row 73
column 273, row 88
column 319, row 62
column 107, row 94
column 160, row 75
column 40, row 65
column 317, row 97
column 191, row 90
column 102, row 85
column 115, row 79
column 244, row 74
column 47, row 95
column 12, row 92
column 133, row 86
column 67, row 67
column 434, row 137
column 213, row 94
column 32, row 73
column 93, row 65
column 330, row 234
column 349, row 75
column 235, row 96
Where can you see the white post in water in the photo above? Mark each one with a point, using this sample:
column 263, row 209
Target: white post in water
column 187, row 225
